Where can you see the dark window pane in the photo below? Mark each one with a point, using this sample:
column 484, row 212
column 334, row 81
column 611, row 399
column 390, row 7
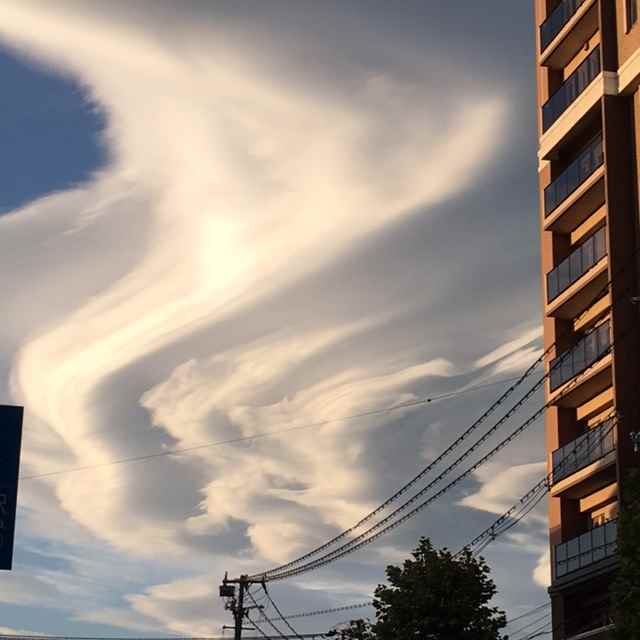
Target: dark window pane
column 564, row 275
column 598, row 554
column 552, row 285
column 591, row 348
column 561, row 552
column 575, row 266
column 589, row 253
column 600, row 244
column 603, row 338
column 572, row 87
column 575, row 173
column 598, row 536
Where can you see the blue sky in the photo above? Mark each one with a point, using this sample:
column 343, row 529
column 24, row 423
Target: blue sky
column 225, row 219
column 50, row 135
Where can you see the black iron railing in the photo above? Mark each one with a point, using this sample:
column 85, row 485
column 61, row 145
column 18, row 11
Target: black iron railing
column 579, row 262
column 586, row 549
column 552, row 26
column 571, row 88
column 587, row 162
column 588, row 351
column 585, row 449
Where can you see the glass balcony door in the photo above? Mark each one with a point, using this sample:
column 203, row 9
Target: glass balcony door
column 586, row 352
column 587, row 162
column 581, row 452
column 552, row 26
column 572, row 87
column 579, row 262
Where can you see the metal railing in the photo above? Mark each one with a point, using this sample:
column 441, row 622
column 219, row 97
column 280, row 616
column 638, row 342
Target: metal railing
column 574, row 361
column 585, row 449
column 588, row 161
column 586, row 549
column 552, row 26
column 571, row 88
column 579, row 262
column 590, row 624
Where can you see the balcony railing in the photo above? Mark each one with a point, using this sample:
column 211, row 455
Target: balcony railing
column 587, row 549
column 571, row 88
column 589, row 350
column 552, row 26
column 581, row 452
column 571, row 269
column 589, row 624
column 589, row 160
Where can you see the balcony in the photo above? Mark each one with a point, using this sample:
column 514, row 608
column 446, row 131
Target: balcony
column 589, row 625
column 552, row 26
column 585, row 550
column 571, row 89
column 579, row 262
column 590, row 447
column 588, row 351
column 585, row 165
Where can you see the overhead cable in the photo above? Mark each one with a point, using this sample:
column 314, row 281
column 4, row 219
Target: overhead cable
column 267, row 434
column 456, row 443
column 275, row 606
column 369, row 536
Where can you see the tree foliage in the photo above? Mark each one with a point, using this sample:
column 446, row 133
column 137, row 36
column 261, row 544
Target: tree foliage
column 434, row 596
column 625, row 590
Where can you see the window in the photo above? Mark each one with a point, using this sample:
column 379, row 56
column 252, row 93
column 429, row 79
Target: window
column 632, row 13
column 603, row 515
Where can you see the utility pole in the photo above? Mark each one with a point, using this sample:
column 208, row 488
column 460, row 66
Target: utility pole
column 239, row 610
column 236, row 605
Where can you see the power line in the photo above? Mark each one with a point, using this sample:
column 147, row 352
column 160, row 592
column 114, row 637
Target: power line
column 363, row 539
column 322, row 612
column 422, row 473
column 257, row 626
column 531, row 499
column 528, row 613
column 594, row 299
column 275, row 606
column 533, row 623
column 269, row 622
column 267, row 434
column 290, row 565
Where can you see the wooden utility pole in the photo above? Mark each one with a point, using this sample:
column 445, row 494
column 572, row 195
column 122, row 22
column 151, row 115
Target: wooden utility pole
column 236, row 605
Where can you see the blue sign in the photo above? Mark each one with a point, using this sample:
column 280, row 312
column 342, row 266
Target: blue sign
column 10, row 439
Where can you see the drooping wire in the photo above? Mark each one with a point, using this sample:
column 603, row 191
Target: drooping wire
column 466, row 434
column 558, row 362
column 368, row 536
column 526, row 614
column 275, row 606
column 531, row 499
column 532, row 623
column 322, row 612
column 264, row 619
column 257, row 627
column 267, row 434
column 527, row 503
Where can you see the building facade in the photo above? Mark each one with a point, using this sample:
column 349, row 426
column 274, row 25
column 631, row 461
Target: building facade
column 588, row 74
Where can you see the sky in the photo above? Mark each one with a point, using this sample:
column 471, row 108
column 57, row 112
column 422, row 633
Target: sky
column 222, row 219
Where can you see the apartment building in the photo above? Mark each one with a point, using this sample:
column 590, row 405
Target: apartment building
column 588, row 73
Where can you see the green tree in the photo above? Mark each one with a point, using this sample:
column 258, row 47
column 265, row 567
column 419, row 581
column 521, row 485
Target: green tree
column 625, row 589
column 357, row 630
column 435, row 596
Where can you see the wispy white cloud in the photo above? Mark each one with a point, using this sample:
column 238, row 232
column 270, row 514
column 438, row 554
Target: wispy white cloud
column 514, row 353
column 229, row 180
column 501, row 485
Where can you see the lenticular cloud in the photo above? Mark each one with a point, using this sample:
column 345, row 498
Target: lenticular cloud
column 229, row 178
